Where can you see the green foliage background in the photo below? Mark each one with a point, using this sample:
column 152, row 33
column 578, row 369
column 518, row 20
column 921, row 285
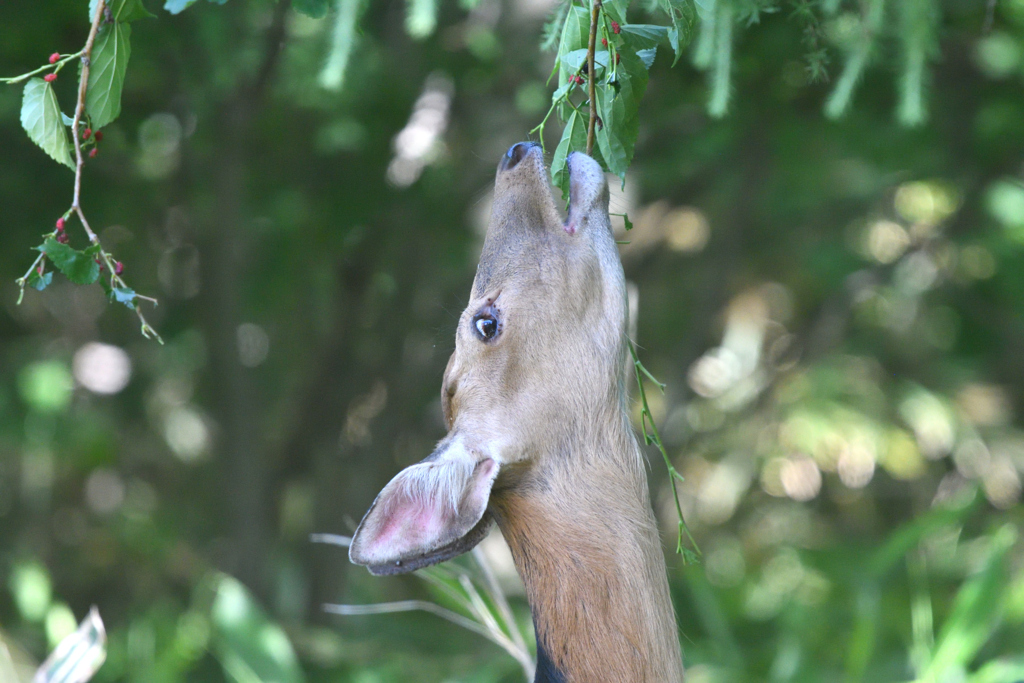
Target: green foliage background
column 828, row 260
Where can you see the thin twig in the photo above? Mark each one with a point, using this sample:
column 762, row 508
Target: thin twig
column 408, row 606
column 83, row 84
column 55, row 67
column 76, row 205
column 653, row 437
column 331, row 539
column 595, row 12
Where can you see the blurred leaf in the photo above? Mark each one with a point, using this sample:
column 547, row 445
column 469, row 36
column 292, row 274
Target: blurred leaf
column 106, row 77
column 78, row 656
column 1000, row 671
column 41, row 119
column 343, row 40
column 553, row 26
column 177, row 6
column 30, row 581
column 909, row 535
column 977, row 608
column 251, row 648
column 78, row 266
column 420, row 18
column 312, row 8
column 46, row 388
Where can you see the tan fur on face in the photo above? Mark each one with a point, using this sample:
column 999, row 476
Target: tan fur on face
column 546, row 399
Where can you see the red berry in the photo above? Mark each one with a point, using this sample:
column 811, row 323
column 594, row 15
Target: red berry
column 50, row 78
column 118, row 267
column 604, row 42
column 60, row 224
column 40, row 269
column 62, row 238
column 615, row 27
column 93, row 152
column 99, row 135
column 617, row 57
column 54, row 57
column 87, row 133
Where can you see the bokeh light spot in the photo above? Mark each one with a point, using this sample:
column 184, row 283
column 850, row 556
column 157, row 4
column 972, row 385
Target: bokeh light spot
column 102, row 368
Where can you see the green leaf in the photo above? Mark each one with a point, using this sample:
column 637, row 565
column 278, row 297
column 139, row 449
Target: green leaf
column 619, row 111
column 250, row 646
column 575, row 59
column 78, row 266
column 683, row 14
column 312, row 8
column 178, row 6
column 41, row 119
column 616, row 9
column 977, row 610
column 560, row 93
column 574, row 139
column 123, row 10
column 643, row 36
column 68, row 121
column 1008, row 670
column 78, row 656
column 124, row 296
column 575, row 35
column 39, row 282
column 908, row 536
column 106, row 77
column 647, row 57
column 629, row 223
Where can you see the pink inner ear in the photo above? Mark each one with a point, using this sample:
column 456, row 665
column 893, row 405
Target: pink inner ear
column 402, row 524
column 409, row 525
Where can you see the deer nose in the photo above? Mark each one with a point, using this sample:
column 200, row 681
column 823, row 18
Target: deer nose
column 515, row 154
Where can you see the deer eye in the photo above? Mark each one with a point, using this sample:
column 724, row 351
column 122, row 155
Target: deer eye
column 486, row 326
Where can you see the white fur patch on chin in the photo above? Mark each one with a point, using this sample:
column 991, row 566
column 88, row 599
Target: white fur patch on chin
column 586, row 182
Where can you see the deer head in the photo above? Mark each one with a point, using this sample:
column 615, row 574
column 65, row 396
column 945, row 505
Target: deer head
column 539, row 359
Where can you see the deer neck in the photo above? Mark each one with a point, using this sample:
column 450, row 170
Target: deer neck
column 585, row 542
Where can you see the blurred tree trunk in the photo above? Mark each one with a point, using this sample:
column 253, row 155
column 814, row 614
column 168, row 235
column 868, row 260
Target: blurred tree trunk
column 245, row 475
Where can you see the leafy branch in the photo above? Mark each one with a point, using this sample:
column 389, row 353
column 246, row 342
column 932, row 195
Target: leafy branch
column 104, row 60
column 617, row 77
column 651, row 436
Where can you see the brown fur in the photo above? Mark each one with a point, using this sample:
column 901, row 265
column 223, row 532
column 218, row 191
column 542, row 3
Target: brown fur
column 544, row 402
column 577, row 514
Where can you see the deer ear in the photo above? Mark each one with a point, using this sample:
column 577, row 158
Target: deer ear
column 429, row 513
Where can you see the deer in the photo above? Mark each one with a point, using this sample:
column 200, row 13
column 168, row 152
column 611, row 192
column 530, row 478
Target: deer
column 540, row 442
